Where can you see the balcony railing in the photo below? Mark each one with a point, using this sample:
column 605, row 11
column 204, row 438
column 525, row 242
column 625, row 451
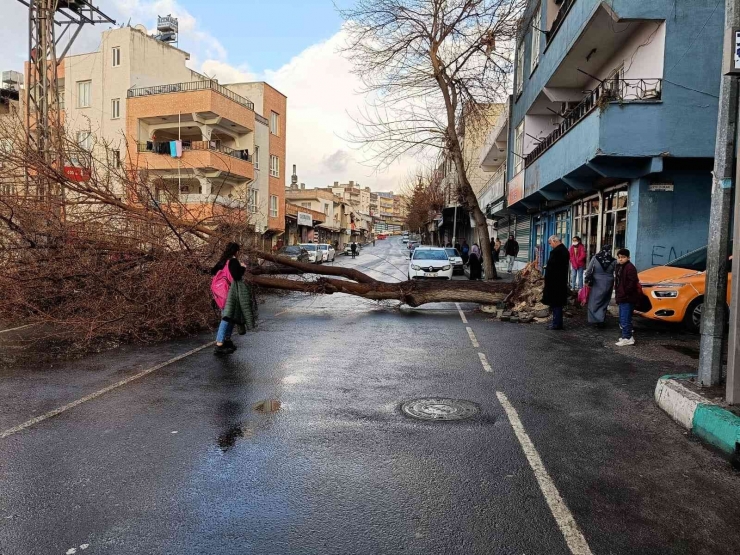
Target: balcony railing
column 612, row 90
column 189, row 87
column 216, row 146
column 261, row 119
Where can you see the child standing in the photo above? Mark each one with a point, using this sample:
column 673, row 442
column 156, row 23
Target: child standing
column 627, row 294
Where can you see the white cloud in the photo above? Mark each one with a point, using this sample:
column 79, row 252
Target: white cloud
column 322, row 92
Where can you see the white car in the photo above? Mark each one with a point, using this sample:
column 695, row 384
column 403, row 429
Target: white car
column 313, row 251
column 455, row 259
column 405, row 239
column 327, row 252
column 430, row 263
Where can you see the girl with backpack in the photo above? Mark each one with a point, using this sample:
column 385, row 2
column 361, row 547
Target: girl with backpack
column 227, row 270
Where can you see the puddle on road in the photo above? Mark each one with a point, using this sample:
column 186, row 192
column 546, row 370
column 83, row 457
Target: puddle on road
column 692, row 352
column 228, row 438
column 267, row 406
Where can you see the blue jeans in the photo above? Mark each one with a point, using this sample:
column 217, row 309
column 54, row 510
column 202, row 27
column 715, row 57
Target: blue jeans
column 224, row 331
column 576, row 278
column 625, row 319
column 557, row 316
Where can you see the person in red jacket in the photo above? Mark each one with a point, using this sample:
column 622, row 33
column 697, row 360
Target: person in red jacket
column 577, row 263
column 627, row 292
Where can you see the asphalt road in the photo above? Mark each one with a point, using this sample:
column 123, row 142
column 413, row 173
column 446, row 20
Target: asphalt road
column 568, row 453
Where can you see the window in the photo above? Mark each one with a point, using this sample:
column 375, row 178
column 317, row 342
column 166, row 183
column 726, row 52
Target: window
column 115, row 111
column 60, row 99
column 84, row 139
column 116, row 56
column 274, row 123
column 273, row 206
column 115, row 158
column 519, row 148
column 256, row 158
column 519, row 68
column 306, row 204
column 6, row 146
column 536, row 25
column 254, row 195
column 84, row 90
column 326, row 209
column 274, row 166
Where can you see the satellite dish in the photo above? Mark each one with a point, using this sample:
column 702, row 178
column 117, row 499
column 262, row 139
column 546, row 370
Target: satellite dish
column 140, row 27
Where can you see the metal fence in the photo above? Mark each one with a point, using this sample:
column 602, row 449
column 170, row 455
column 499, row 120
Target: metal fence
column 216, row 146
column 611, row 90
column 189, row 87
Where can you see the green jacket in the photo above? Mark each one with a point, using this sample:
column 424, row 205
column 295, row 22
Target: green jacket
column 241, row 305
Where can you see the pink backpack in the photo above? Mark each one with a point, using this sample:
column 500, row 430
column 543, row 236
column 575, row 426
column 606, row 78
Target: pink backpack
column 220, row 286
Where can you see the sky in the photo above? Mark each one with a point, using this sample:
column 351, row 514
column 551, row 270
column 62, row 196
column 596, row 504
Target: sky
column 291, row 44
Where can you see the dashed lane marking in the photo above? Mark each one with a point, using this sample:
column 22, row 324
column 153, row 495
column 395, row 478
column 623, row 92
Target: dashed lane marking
column 567, row 524
column 86, row 398
column 484, row 362
column 473, row 339
column 18, row 328
column 462, row 314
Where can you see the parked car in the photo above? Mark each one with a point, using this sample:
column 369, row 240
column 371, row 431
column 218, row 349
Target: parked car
column 430, row 263
column 295, row 252
column 313, row 252
column 455, row 259
column 327, row 252
column 348, row 249
column 405, row 239
column 412, row 245
column 676, row 290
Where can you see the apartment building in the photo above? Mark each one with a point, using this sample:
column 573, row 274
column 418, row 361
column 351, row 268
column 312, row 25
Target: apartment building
column 321, row 201
column 351, row 192
column 613, row 124
column 10, row 135
column 135, row 95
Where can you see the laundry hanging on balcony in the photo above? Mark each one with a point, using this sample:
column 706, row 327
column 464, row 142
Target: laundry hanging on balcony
column 176, row 149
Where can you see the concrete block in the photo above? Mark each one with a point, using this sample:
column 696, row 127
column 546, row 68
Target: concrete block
column 678, row 401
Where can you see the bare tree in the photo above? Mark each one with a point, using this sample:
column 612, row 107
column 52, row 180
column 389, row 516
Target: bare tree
column 427, row 66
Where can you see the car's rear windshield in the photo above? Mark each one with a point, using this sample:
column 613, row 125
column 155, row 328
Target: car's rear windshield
column 292, row 250
column 430, row 255
column 309, row 247
column 452, row 252
column 323, row 247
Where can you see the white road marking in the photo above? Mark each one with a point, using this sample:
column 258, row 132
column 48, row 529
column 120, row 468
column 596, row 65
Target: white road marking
column 567, row 524
column 73, row 404
column 473, row 339
column 462, row 314
column 484, row 362
column 18, row 328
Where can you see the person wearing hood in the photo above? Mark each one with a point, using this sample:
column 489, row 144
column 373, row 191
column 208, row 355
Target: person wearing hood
column 600, row 278
column 475, row 262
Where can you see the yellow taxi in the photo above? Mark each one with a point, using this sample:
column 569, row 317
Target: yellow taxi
column 676, row 290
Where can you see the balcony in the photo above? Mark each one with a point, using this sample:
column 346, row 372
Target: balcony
column 205, row 156
column 189, row 87
column 616, row 90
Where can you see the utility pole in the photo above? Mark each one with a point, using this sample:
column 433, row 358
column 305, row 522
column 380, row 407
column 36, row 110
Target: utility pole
column 715, row 295
column 42, row 117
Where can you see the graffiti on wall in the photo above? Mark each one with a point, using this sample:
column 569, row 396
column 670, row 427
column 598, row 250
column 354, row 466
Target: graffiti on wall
column 661, row 255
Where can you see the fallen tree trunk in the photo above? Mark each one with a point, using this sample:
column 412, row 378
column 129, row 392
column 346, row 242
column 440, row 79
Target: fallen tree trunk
column 412, row 293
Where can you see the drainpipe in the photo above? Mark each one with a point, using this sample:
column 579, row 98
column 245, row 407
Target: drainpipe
column 715, row 296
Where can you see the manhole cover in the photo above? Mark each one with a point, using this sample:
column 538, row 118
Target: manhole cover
column 438, row 408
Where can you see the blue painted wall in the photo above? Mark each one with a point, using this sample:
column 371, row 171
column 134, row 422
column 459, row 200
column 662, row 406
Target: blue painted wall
column 668, row 225
column 684, row 124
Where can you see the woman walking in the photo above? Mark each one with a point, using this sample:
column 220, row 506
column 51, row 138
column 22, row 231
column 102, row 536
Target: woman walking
column 233, row 297
column 475, row 263
column 600, row 277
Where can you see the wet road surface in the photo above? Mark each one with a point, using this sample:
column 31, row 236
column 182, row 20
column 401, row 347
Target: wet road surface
column 297, row 443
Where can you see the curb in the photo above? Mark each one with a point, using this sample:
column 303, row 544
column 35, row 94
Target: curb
column 706, row 420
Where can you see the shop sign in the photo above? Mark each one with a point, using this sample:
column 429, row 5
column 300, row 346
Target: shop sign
column 662, row 187
column 305, row 219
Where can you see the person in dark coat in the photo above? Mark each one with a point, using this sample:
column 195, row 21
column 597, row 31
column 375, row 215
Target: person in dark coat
column 511, row 250
column 600, row 278
column 353, row 248
column 475, row 263
column 627, row 293
column 556, row 281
